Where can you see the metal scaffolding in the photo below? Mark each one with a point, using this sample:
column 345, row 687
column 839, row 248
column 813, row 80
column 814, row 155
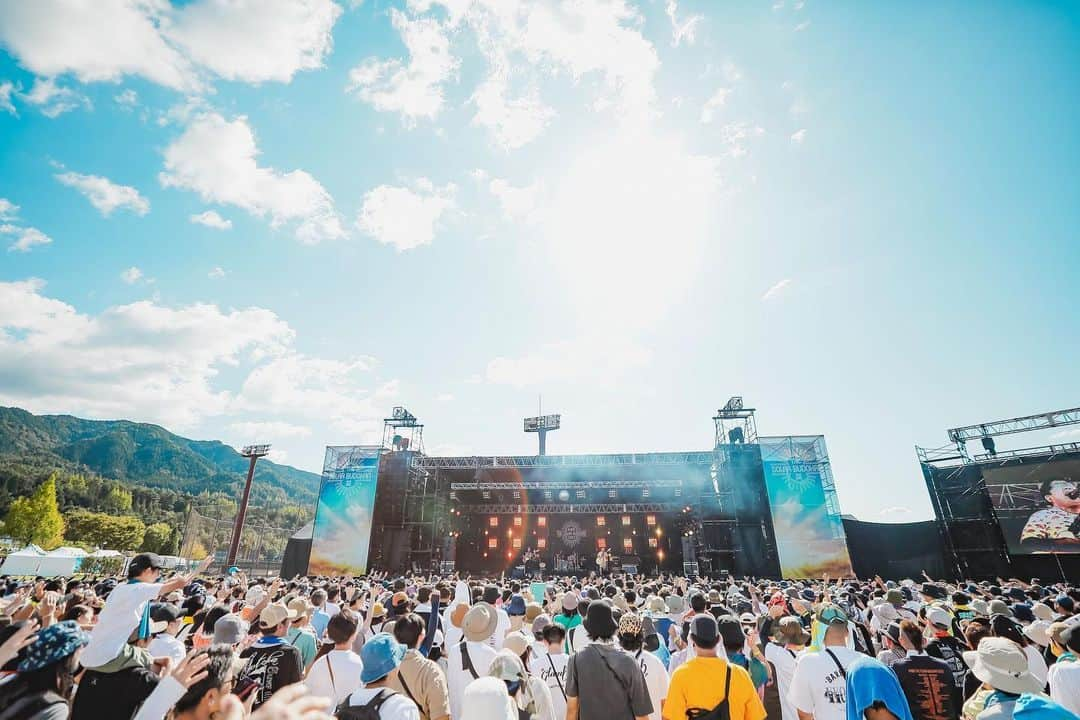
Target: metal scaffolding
column 567, row 508
column 480, row 462
column 1041, row 421
column 576, row 485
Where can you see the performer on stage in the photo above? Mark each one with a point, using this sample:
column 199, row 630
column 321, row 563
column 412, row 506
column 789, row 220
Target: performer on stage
column 603, row 558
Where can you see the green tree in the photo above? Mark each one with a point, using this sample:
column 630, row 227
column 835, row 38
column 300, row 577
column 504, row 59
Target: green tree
column 157, row 538
column 37, row 519
column 106, row 531
column 117, row 500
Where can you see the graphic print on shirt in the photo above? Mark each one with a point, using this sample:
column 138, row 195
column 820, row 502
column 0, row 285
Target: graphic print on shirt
column 835, row 694
column 264, row 668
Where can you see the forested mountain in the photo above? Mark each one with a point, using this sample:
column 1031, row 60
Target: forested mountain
column 121, row 466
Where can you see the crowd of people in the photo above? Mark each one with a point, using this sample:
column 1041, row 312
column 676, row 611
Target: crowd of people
column 227, row 647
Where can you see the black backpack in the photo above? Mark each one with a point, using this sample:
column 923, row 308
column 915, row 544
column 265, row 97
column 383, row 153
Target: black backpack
column 370, row 711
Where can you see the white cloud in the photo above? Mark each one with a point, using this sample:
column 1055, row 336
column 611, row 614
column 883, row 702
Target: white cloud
column 802, row 26
column 415, row 89
column 218, row 159
column 132, row 275
column 735, row 134
column 267, row 431
column 216, row 273
column 128, row 98
column 318, row 390
column 53, row 99
column 6, row 90
column 104, row 194
column 26, row 238
column 404, row 217
column 799, row 5
column 255, row 40
column 598, row 360
column 714, row 103
column 8, row 209
column 140, row 360
column 684, row 30
column 96, row 41
column 775, row 289
column 517, row 203
column 538, row 40
column 445, row 397
column 169, row 44
column 798, row 136
column 778, row 5
column 210, row 218
column 512, row 122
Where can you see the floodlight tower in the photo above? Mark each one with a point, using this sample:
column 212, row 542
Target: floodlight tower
column 541, row 425
column 254, row 452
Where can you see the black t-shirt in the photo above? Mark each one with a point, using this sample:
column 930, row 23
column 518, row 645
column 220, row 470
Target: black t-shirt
column 112, row 695
column 950, row 650
column 273, row 665
column 929, row 687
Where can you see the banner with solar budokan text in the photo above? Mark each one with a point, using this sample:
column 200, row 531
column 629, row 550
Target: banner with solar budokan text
column 805, row 512
column 343, row 517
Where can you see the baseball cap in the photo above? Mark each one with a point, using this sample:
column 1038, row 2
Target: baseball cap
column 274, row 614
column 730, row 630
column 143, row 562
column 704, row 628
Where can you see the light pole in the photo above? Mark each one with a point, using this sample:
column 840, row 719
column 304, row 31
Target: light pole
column 254, row 452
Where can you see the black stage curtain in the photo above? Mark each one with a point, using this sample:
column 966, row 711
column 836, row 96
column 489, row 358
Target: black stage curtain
column 894, row 550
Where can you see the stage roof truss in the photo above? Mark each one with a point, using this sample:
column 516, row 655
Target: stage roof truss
column 1027, row 423
column 478, row 462
column 579, row 485
column 567, row 508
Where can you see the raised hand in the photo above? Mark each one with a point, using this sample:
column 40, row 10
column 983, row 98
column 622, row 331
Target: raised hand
column 21, row 638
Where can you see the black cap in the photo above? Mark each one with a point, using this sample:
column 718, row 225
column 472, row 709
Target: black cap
column 165, row 612
column 933, row 591
column 730, row 630
column 704, row 628
column 143, row 562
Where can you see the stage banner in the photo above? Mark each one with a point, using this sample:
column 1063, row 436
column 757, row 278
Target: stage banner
column 805, row 512
column 1037, row 504
column 342, row 530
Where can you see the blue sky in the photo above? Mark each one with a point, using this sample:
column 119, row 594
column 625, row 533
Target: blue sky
column 275, row 221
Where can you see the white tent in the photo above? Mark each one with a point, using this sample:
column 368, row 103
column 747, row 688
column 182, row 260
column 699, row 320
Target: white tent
column 61, row 561
column 23, row 562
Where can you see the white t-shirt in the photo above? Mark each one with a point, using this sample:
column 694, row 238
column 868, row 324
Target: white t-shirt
column 552, row 670
column 784, row 661
column 656, row 678
column 502, row 626
column 818, row 686
column 544, row 702
column 395, row 707
column 165, row 645
column 347, row 667
column 119, row 618
column 332, row 609
column 1065, row 684
column 457, row 678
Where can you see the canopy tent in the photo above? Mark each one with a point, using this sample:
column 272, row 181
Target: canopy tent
column 23, row 562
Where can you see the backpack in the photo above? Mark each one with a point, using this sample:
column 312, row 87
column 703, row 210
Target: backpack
column 369, row 711
column 721, row 711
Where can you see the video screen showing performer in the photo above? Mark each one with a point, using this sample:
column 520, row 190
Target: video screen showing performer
column 1056, row 527
column 1037, row 504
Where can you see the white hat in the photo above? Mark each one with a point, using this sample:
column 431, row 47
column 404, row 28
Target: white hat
column 1038, row 632
column 486, row 699
column 938, row 616
column 885, row 613
column 1001, row 663
column 1042, row 611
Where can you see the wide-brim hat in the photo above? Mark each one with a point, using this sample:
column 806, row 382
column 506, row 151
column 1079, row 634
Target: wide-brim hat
column 1002, row 665
column 655, row 604
column 380, row 655
column 675, row 603
column 479, row 622
column 533, row 611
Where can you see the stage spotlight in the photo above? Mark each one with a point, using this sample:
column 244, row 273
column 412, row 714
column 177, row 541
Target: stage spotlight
column 564, row 496
column 989, row 446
